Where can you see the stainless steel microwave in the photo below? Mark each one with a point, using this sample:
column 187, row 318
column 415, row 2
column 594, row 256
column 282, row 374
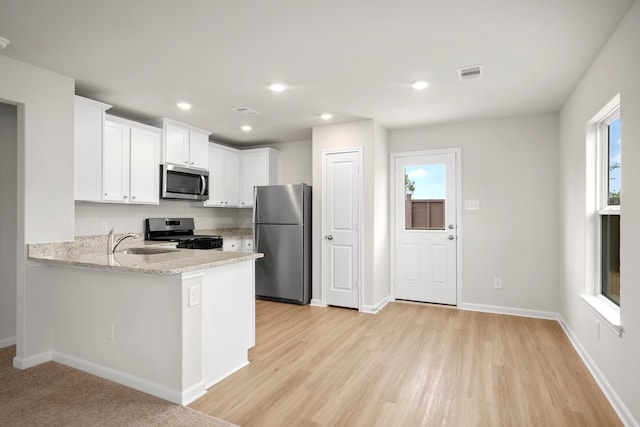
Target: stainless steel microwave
column 182, row 183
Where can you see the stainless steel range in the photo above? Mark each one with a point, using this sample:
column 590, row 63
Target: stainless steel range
column 179, row 230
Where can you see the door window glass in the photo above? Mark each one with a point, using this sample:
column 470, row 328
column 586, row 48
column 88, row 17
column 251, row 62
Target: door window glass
column 425, row 197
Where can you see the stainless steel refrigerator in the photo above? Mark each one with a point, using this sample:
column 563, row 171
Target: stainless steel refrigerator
column 282, row 231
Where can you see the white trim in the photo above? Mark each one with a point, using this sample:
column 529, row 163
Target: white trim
column 511, row 311
column 457, row 151
column 323, row 261
column 7, row 342
column 31, row 361
column 625, row 415
column 131, row 381
column 317, row 302
column 374, row 309
column 605, row 310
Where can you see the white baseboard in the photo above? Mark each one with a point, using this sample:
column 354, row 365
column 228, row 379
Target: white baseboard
column 622, row 411
column 373, row 309
column 175, row 396
column 617, row 404
column 223, row 376
column 7, row 342
column 31, row 361
column 317, row 303
column 522, row 312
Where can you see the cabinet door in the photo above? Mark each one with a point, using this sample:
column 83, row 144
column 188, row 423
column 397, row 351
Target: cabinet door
column 88, row 133
column 176, row 145
column 231, row 179
column 115, row 163
column 145, row 165
column 216, row 177
column 198, row 150
column 254, row 172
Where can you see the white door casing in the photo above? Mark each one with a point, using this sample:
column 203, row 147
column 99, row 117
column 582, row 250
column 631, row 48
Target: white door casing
column 342, row 249
column 425, row 256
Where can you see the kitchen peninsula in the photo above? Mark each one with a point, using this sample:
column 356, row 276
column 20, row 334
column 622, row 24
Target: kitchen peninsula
column 169, row 322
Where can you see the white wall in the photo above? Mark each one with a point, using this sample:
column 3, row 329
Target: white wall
column 510, row 166
column 372, row 139
column 130, row 218
column 8, row 222
column 294, row 162
column 44, row 201
column 45, row 132
column 614, row 71
column 379, row 176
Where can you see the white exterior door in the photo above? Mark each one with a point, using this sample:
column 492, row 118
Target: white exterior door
column 342, row 216
column 425, row 222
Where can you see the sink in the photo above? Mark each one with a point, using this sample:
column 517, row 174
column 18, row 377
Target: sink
column 148, row 251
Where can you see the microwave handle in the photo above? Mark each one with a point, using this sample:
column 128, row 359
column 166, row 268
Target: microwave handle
column 204, row 185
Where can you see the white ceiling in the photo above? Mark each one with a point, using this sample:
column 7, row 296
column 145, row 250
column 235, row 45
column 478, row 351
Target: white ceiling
column 353, row 58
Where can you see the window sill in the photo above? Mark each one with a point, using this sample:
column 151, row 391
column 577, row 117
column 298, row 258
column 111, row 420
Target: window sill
column 610, row 316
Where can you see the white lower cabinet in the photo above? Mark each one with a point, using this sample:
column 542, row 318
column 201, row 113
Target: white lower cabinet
column 131, row 161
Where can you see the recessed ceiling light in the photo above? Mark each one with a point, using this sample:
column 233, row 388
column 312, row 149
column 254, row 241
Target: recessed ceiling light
column 277, row 87
column 3, row 43
column 184, row 105
column 419, row 84
column 246, row 128
column 326, row 116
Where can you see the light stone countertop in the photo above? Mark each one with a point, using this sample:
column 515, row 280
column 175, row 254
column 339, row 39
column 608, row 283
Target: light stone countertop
column 90, row 251
column 174, row 262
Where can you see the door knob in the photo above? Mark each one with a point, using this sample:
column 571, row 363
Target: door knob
column 329, row 237
column 450, row 226
column 450, row 237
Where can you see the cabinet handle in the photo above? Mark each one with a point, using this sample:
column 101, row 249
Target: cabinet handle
column 133, row 197
column 124, row 197
column 191, row 162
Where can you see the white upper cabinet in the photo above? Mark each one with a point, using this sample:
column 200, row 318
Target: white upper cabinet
column 184, row 145
column 88, row 137
column 224, row 177
column 233, row 174
column 144, row 182
column 259, row 167
column 131, row 162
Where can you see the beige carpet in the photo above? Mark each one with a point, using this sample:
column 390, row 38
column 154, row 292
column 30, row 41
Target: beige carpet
column 52, row 394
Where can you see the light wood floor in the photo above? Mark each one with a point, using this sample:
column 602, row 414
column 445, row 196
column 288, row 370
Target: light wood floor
column 409, row 365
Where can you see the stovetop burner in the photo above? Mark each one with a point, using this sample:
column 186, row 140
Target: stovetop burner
column 179, row 230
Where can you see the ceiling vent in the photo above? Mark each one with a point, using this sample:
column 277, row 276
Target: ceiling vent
column 473, row 72
column 246, row 111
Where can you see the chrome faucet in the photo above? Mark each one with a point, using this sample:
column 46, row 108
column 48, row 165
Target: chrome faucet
column 111, row 246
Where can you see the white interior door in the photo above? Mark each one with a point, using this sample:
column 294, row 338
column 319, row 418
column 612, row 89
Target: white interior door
column 425, row 211
column 342, row 214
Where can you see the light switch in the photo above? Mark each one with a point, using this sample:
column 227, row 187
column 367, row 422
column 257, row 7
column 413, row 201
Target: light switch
column 472, row 205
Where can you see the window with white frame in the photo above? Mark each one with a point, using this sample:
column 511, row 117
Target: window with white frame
column 608, row 197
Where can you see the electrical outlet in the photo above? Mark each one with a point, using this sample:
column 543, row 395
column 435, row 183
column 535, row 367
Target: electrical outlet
column 497, row 283
column 194, row 296
column 109, row 331
column 104, row 226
